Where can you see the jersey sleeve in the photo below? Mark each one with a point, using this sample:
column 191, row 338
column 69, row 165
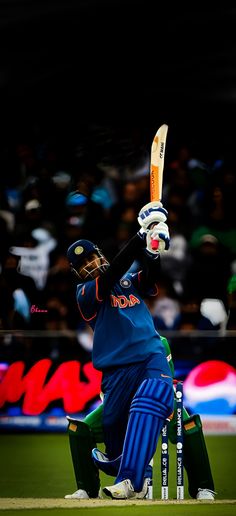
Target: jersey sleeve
column 88, row 300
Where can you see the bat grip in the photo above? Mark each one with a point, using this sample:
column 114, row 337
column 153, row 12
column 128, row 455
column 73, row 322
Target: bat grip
column 154, row 244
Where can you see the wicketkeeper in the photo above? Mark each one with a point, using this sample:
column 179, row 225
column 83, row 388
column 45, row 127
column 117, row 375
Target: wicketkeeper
column 84, row 436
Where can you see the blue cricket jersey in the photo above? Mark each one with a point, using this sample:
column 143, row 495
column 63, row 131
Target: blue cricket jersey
column 124, row 331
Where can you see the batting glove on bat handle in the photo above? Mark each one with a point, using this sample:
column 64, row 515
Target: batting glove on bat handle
column 152, row 213
column 158, row 238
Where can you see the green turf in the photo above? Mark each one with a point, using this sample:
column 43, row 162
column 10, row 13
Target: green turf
column 39, row 466
column 183, row 510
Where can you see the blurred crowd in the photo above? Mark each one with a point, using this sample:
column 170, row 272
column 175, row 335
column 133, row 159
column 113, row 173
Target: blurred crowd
column 52, row 194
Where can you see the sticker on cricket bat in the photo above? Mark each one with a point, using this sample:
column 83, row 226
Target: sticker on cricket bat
column 156, row 168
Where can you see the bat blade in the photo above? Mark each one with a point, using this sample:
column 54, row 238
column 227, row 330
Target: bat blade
column 157, row 163
column 156, row 168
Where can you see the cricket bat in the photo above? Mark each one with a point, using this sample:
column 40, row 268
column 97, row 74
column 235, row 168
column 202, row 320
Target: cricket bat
column 156, row 167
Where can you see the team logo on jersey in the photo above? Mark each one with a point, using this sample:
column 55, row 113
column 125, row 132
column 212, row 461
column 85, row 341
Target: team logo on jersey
column 125, row 283
column 123, row 301
column 79, row 249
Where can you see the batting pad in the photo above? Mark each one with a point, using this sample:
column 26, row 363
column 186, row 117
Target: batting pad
column 196, row 460
column 151, row 405
column 81, row 445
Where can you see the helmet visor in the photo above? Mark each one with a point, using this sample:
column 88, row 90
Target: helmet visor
column 93, row 266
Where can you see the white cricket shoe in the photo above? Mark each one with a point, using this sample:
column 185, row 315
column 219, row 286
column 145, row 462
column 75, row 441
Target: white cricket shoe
column 205, row 494
column 80, row 494
column 124, row 490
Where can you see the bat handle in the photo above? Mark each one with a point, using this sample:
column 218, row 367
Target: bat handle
column 154, row 244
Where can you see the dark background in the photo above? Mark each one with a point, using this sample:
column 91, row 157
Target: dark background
column 102, row 76
column 119, row 64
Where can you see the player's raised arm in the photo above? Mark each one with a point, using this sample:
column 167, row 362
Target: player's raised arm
column 152, row 219
column 126, row 256
column 88, row 262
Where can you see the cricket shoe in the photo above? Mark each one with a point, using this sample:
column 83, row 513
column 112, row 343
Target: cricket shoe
column 124, row 490
column 80, row 494
column 205, row 494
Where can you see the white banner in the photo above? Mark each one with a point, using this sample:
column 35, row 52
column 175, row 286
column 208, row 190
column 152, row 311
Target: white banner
column 219, row 425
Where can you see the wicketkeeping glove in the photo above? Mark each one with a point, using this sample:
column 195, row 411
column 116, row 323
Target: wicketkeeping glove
column 152, row 213
column 160, row 233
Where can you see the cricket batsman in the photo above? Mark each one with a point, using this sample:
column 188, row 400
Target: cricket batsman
column 137, row 379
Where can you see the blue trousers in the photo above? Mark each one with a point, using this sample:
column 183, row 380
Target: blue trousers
column 119, row 386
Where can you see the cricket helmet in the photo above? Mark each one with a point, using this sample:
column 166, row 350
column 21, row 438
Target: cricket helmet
column 81, row 249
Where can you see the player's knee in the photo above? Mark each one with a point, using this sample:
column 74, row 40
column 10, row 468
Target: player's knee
column 154, row 396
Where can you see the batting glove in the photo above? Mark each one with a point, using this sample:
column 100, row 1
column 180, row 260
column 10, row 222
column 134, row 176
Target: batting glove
column 152, row 213
column 160, row 234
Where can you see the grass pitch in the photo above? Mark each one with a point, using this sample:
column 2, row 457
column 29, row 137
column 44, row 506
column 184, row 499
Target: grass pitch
column 39, row 467
column 128, row 508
